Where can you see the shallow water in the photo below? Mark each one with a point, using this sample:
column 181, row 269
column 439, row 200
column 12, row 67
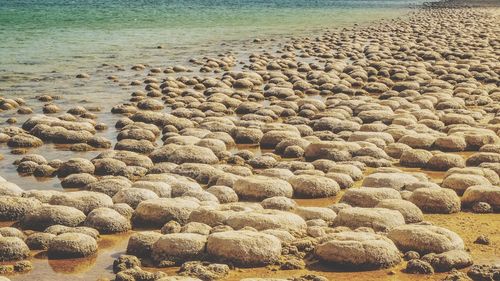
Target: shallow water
column 46, row 42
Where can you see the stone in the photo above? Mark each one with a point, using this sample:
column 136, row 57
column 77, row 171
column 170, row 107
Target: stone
column 379, row 219
column 179, row 247
column 14, row 208
column 267, row 219
column 204, row 270
column 13, row 248
column 39, row 240
column 357, row 251
column 261, row 187
column 48, row 215
column 446, row 261
column 141, row 243
column 72, row 245
column 436, row 200
column 308, row 186
column 445, row 161
column 125, row 262
column 224, row 194
column 416, row 266
column 75, row 166
column 244, row 248
column 415, row 158
column 107, row 220
column 481, row 193
column 193, row 154
column 156, row 212
column 10, row 189
column 396, row 181
column 368, row 197
column 410, row 211
column 85, row 201
column 133, row 196
column 279, row 203
column 60, row 229
column 425, row 239
column 460, row 182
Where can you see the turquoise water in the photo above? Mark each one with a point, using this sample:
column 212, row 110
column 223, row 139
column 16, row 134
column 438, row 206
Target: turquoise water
column 44, row 36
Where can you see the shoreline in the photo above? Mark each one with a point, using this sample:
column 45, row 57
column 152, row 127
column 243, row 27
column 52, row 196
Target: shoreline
column 366, row 107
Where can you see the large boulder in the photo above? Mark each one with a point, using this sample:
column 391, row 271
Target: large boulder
column 357, row 250
column 13, row 248
column 133, row 196
column 267, row 219
column 460, row 182
column 72, row 245
column 261, row 187
column 481, row 193
column 393, row 180
column 14, row 208
column 244, row 248
column 84, row 201
column 179, row 247
column 10, row 189
column 379, row 219
column 309, row 186
column 159, row 211
column 107, row 220
column 211, row 216
column 410, row 211
column 425, row 239
column 436, row 200
column 192, row 154
column 445, row 161
column 368, row 197
column 141, row 243
column 415, row 158
column 48, row 215
column 75, row 166
column 454, row 259
column 109, row 185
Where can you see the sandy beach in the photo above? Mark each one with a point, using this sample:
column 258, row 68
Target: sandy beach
column 366, row 151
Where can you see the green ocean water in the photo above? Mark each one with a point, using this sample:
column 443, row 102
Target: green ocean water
column 60, row 36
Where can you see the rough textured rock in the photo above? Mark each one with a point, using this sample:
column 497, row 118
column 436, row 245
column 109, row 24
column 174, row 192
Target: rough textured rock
column 72, row 245
column 141, row 243
column 379, row 219
column 179, row 247
column 479, row 193
column 14, row 208
column 392, row 180
column 454, row 259
column 267, row 219
column 410, row 211
column 357, row 250
column 460, row 182
column 368, row 197
column 159, row 211
column 309, row 186
column 425, row 239
column 48, row 215
column 107, row 220
column 84, row 201
column 436, row 200
column 244, row 248
column 13, row 248
column 261, row 187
